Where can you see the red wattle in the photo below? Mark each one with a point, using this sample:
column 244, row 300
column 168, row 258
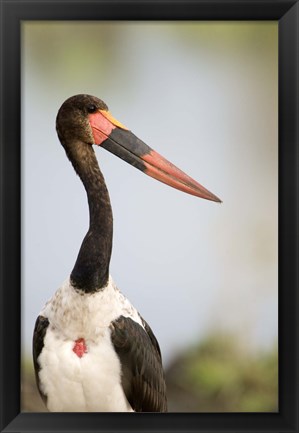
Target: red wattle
column 80, row 347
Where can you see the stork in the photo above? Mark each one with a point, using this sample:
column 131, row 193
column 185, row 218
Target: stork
column 92, row 350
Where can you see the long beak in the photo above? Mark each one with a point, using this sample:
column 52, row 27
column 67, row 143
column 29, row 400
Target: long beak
column 115, row 137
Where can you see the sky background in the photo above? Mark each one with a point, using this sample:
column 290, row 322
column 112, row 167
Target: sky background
column 205, row 96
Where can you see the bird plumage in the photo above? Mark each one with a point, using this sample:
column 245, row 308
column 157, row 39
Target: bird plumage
column 121, row 363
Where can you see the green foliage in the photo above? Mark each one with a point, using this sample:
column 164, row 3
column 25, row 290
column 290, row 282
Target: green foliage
column 218, row 376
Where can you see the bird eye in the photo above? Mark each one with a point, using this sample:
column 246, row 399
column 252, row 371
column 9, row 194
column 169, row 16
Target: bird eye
column 91, row 108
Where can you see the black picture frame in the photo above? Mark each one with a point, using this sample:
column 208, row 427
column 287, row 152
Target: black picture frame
column 286, row 12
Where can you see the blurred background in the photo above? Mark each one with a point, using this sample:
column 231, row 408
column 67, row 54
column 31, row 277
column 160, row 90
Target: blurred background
column 204, row 275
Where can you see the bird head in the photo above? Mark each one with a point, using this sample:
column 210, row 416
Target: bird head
column 85, row 119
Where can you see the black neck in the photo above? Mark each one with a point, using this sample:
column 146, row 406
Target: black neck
column 91, row 270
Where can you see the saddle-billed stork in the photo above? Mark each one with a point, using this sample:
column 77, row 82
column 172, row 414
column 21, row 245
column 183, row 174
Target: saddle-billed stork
column 92, row 350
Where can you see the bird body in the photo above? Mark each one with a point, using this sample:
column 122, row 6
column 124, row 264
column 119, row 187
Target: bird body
column 92, row 350
column 88, row 316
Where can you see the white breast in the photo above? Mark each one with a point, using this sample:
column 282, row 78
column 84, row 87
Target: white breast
column 91, row 383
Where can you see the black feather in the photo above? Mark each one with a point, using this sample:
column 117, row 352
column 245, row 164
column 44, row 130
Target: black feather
column 142, row 373
column 40, row 330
